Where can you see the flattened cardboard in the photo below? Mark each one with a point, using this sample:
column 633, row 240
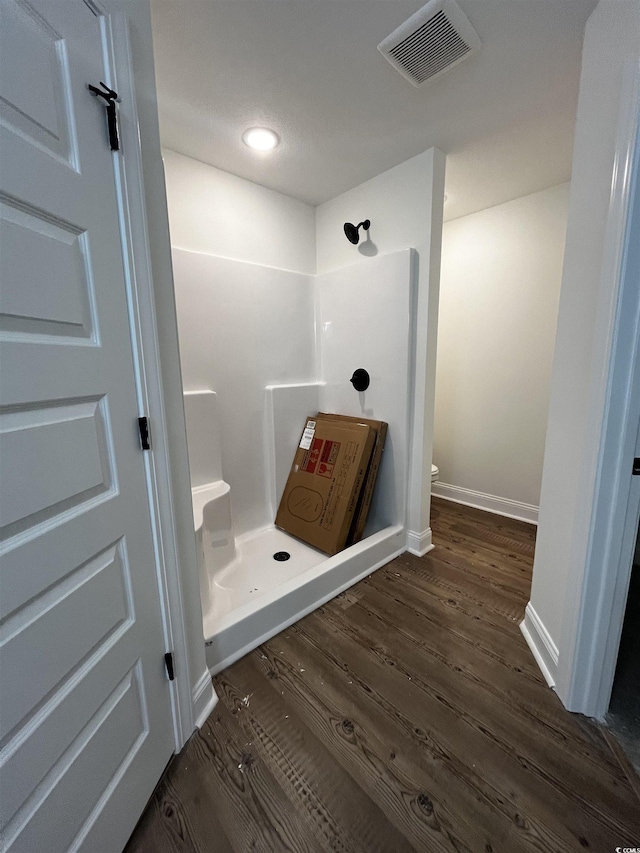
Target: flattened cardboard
column 364, row 502
column 325, row 481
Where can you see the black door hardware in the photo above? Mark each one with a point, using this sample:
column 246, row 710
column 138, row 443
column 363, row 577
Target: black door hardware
column 143, row 428
column 112, row 117
column 635, row 470
column 168, row 662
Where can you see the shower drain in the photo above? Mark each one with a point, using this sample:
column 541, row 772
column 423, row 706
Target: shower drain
column 281, row 556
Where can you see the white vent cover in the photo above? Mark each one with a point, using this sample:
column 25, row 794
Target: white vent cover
column 430, row 42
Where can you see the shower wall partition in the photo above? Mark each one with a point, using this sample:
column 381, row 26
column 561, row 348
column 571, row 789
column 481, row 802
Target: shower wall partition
column 277, row 346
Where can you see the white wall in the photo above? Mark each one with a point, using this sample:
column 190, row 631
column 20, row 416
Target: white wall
column 398, row 203
column 243, row 258
column 214, row 212
column 404, row 206
column 379, row 294
column 242, row 327
column 587, row 302
column 499, row 291
column 363, row 319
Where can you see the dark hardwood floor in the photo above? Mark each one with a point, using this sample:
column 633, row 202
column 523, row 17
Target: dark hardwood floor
column 406, row 714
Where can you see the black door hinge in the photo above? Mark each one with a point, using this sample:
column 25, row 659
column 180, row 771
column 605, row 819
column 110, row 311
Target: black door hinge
column 110, row 97
column 143, row 427
column 168, row 662
column 636, row 466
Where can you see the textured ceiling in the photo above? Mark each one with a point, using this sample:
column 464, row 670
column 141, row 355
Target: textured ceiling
column 310, row 70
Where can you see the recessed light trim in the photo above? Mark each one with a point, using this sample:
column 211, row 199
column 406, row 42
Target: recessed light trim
column 261, row 139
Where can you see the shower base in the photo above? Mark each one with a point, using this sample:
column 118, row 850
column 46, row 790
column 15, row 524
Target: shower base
column 256, row 596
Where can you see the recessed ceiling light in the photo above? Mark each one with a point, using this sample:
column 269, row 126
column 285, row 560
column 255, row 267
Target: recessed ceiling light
column 260, row 139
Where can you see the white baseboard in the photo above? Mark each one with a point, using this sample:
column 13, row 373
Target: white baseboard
column 419, row 543
column 204, row 699
column 490, row 503
column 542, row 646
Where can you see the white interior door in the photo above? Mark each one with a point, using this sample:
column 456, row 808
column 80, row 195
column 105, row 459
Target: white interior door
column 85, row 718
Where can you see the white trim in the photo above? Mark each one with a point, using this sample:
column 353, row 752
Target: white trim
column 144, row 334
column 489, row 503
column 425, row 273
column 419, row 544
column 542, row 646
column 135, row 240
column 204, row 699
column 594, row 610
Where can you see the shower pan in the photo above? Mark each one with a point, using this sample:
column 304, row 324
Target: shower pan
column 262, row 349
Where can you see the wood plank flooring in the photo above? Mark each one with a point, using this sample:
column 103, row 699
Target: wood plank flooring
column 406, row 714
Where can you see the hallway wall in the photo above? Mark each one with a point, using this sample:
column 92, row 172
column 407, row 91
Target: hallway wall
column 571, row 480
column 499, row 292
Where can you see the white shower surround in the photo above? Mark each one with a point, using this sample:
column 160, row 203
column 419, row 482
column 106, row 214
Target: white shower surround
column 243, row 326
column 262, row 326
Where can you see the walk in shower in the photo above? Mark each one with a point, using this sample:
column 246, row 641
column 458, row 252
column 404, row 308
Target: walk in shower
column 261, row 349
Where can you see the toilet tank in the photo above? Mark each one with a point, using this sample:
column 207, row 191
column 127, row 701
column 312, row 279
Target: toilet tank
column 203, row 437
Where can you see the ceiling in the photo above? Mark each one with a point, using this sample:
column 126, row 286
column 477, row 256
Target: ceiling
column 310, row 70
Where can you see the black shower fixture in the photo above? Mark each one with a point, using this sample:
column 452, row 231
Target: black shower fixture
column 360, row 379
column 352, row 231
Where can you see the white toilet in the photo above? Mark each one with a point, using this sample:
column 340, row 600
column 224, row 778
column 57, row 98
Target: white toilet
column 435, row 473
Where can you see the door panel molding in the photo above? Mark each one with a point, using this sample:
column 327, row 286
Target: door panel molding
column 89, row 720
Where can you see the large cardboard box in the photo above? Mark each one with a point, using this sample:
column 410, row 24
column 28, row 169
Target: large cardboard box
column 325, row 481
column 364, row 502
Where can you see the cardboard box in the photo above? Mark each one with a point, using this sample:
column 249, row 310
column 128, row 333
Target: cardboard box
column 366, row 495
column 325, row 481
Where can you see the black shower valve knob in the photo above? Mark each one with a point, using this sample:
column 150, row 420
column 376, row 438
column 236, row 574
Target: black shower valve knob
column 360, row 379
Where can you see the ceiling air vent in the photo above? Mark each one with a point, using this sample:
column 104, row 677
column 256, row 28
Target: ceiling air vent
column 431, row 42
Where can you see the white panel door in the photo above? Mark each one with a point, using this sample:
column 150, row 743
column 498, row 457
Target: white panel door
column 85, row 718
